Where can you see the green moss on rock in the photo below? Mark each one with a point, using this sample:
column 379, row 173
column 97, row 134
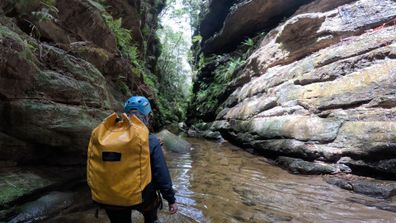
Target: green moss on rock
column 100, row 52
column 26, row 48
column 16, row 185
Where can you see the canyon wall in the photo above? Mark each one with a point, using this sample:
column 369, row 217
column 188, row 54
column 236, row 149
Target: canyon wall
column 318, row 84
column 64, row 66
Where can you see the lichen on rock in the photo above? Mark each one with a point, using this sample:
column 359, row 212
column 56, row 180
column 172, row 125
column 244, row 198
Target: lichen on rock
column 319, row 85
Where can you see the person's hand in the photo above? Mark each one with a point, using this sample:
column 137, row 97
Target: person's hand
column 173, row 208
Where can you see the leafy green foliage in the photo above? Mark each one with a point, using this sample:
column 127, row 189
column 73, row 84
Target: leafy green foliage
column 43, row 15
column 197, row 39
column 201, row 62
column 151, row 81
column 123, row 87
column 189, row 8
column 49, row 3
column 129, row 50
column 193, row 7
column 100, row 5
column 223, row 73
column 30, row 46
column 47, row 12
column 174, row 80
column 124, row 39
column 207, row 98
column 146, row 31
column 248, row 42
column 212, row 86
column 174, row 89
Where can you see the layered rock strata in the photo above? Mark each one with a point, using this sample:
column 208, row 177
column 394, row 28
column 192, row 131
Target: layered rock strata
column 247, row 18
column 62, row 71
column 320, row 86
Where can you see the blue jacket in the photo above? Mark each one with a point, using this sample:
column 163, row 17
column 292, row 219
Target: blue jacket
column 161, row 179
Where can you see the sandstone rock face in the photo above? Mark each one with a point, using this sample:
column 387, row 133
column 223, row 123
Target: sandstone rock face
column 321, row 6
column 39, row 209
column 320, row 86
column 48, row 108
column 300, row 166
column 367, row 186
column 61, row 73
column 214, row 17
column 247, row 18
column 19, row 183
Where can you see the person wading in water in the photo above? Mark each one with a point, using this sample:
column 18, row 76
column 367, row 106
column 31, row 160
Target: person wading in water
column 104, row 192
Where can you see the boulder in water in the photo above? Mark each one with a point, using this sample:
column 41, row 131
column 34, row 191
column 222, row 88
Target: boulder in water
column 43, row 207
column 300, row 166
column 364, row 185
column 173, row 142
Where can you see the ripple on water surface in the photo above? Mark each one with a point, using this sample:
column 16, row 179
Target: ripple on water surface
column 222, row 183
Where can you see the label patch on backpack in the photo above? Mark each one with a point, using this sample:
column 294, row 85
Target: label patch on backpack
column 111, row 156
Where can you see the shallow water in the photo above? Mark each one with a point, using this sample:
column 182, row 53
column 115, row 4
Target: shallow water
column 223, row 183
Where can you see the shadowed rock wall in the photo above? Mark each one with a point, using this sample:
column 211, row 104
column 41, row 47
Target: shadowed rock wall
column 245, row 19
column 62, row 71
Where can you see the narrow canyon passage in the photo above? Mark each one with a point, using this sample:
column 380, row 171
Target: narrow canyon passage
column 308, row 85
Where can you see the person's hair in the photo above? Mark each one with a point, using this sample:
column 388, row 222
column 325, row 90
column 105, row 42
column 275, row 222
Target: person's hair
column 140, row 116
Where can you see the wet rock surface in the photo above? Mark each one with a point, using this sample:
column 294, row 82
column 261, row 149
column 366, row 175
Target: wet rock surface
column 364, row 185
column 220, row 182
column 88, row 216
column 319, row 86
column 204, row 130
column 72, row 206
column 299, row 166
column 207, row 134
column 80, row 209
column 20, row 184
column 387, row 205
column 173, row 142
column 43, row 207
column 379, row 168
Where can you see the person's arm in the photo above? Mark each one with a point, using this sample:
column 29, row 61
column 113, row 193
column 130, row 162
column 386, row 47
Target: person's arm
column 161, row 176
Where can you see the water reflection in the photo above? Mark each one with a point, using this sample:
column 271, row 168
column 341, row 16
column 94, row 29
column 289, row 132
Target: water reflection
column 222, row 183
column 180, row 166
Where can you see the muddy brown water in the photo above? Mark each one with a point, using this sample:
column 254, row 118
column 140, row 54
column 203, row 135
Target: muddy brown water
column 223, row 183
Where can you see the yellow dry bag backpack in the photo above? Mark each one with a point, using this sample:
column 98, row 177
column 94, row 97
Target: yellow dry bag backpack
column 118, row 165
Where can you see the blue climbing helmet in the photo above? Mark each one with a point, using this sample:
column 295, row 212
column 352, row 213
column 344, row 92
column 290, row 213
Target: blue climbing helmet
column 139, row 103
